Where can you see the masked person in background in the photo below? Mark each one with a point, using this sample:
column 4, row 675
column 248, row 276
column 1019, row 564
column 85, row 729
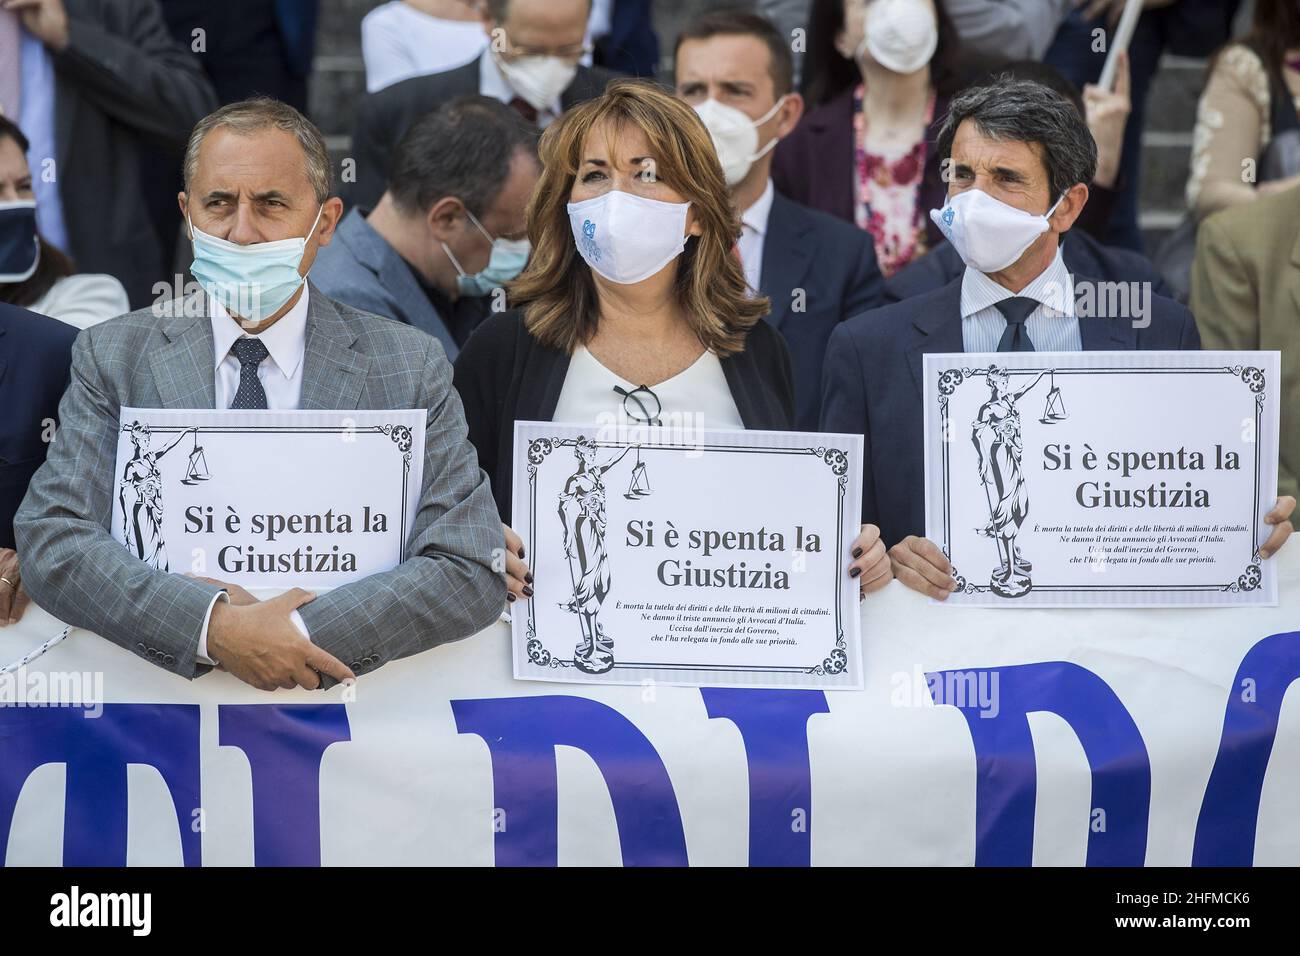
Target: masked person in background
column 33, row 273
column 258, row 207
column 735, row 70
column 450, row 229
column 531, row 63
column 633, row 309
column 1021, row 156
column 878, row 75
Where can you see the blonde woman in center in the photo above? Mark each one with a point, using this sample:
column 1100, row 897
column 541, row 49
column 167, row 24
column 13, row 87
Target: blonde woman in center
column 634, row 306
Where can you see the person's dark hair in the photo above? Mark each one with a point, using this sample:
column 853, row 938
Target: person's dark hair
column 826, row 74
column 462, row 149
column 1023, row 111
column 1039, row 72
column 53, row 264
column 737, row 22
column 1274, row 30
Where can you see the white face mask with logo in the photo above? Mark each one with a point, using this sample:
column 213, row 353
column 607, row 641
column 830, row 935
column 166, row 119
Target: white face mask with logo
column 628, row 238
column 539, row 80
column 735, row 137
column 900, row 35
column 988, row 234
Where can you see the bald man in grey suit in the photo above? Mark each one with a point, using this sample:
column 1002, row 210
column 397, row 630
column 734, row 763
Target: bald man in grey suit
column 257, row 172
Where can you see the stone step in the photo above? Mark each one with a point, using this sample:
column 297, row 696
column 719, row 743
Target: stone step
column 1175, row 90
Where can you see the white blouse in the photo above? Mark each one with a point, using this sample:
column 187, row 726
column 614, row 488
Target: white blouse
column 399, row 42
column 696, row 397
column 83, row 300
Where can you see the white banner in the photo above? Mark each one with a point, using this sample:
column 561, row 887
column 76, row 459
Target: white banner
column 1107, row 478
column 1056, row 737
column 311, row 499
column 657, row 558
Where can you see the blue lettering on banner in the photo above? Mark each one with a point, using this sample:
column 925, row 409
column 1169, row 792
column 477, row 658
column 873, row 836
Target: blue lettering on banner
column 96, row 752
column 522, row 734
column 774, row 727
column 1225, row 830
column 1005, row 770
column 284, row 744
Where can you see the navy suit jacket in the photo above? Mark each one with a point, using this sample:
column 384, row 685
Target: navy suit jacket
column 1082, row 253
column 873, row 388
column 830, row 266
column 35, row 364
column 360, row 269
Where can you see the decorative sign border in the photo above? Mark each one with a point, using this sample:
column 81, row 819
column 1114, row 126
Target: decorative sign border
column 400, row 435
column 1253, row 378
column 835, row 663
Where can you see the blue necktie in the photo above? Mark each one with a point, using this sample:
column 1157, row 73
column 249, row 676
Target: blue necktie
column 250, row 353
column 1017, row 310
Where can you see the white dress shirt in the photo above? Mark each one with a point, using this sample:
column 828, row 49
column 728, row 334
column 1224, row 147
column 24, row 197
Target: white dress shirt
column 399, row 42
column 281, row 376
column 1052, row 327
column 753, row 230
column 492, row 83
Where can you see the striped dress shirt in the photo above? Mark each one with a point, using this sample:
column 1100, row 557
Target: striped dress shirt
column 1052, row 327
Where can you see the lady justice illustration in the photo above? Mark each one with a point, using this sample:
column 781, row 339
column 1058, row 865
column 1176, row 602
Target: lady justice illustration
column 996, row 434
column 140, row 494
column 582, row 514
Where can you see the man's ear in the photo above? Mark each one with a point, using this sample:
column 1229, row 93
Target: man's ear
column 444, row 217
column 330, row 215
column 790, row 113
column 1076, row 197
column 182, row 200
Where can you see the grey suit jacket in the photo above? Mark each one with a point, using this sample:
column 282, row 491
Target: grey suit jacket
column 360, row 268
column 72, row 566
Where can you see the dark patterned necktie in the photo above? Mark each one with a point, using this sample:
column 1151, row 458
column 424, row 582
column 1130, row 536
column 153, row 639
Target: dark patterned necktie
column 250, row 353
column 1017, row 310
column 525, row 109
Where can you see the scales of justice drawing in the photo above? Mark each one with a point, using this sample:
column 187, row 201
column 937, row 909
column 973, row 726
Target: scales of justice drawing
column 1000, row 452
column 581, row 510
column 140, row 492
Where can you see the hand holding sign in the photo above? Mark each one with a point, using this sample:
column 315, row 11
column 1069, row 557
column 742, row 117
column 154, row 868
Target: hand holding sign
column 260, row 645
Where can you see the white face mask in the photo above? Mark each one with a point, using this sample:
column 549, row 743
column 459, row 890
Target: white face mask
column 539, row 80
column 988, row 234
column 628, row 238
column 900, row 35
column 735, row 136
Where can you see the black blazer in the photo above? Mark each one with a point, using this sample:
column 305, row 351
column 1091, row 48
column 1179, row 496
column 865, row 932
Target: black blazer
column 121, row 82
column 35, row 364
column 383, row 117
column 831, row 266
column 503, row 374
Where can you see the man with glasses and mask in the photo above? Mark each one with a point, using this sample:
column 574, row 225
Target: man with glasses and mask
column 531, row 63
column 257, row 206
column 449, row 231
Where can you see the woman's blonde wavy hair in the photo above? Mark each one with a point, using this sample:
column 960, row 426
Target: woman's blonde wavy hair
column 556, row 291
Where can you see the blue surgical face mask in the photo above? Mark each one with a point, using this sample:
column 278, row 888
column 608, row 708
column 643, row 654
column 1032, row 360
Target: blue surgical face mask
column 508, row 258
column 252, row 282
column 20, row 249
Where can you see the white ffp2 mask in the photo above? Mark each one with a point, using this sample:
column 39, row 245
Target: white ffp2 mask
column 735, row 137
column 628, row 238
column 539, row 80
column 988, row 234
column 900, row 35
